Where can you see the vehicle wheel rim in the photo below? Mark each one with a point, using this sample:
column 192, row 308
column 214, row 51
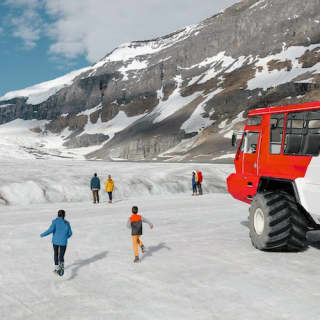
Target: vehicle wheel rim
column 258, row 221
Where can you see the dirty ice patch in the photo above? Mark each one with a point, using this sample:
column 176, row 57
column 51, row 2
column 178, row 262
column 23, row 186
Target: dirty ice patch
column 197, row 122
column 218, row 64
column 227, row 129
column 41, row 92
column 16, row 135
column 133, row 65
column 222, row 124
column 111, row 127
column 184, row 146
column 173, row 104
column 266, row 79
column 225, row 156
column 240, row 62
column 205, row 62
column 257, row 4
column 132, row 50
column 90, row 111
column 17, row 141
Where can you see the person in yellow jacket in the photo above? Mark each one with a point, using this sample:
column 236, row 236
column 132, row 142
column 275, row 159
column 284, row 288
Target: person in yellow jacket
column 109, row 187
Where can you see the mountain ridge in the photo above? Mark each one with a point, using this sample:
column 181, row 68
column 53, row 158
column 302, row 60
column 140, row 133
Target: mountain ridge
column 179, row 96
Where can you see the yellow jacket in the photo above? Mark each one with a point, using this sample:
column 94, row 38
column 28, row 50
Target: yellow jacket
column 109, row 185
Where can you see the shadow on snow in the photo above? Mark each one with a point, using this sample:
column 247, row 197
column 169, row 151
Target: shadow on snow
column 152, row 249
column 84, row 262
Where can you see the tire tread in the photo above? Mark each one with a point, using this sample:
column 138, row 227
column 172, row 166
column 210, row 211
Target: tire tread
column 285, row 227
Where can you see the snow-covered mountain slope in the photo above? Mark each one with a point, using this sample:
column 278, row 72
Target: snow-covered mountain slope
column 179, row 97
column 43, row 91
column 27, row 139
column 128, row 54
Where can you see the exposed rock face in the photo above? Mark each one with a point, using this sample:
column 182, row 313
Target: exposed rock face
column 86, row 140
column 72, row 122
column 188, row 88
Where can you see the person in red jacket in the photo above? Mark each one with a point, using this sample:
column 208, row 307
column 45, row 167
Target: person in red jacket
column 199, row 184
column 135, row 223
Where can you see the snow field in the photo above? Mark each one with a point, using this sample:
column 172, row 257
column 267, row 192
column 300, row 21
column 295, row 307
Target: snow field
column 24, row 182
column 17, row 139
column 199, row 264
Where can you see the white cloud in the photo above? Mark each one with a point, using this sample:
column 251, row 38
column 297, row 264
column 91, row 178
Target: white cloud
column 26, row 31
column 95, row 27
column 27, row 24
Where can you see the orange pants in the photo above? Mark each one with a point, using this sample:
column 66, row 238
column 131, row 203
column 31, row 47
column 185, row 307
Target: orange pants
column 136, row 242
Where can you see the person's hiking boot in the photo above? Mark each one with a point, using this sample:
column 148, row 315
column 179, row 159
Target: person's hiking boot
column 142, row 248
column 56, row 269
column 60, row 271
column 136, row 259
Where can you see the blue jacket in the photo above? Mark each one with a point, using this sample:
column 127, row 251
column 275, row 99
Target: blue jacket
column 95, row 183
column 193, row 180
column 61, row 230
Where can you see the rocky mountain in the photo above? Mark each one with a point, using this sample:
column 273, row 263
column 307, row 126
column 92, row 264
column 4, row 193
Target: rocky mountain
column 179, row 97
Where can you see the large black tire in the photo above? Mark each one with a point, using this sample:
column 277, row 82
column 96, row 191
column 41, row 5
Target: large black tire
column 275, row 223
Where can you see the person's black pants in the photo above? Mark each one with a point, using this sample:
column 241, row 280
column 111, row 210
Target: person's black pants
column 110, row 196
column 194, row 188
column 199, row 187
column 59, row 252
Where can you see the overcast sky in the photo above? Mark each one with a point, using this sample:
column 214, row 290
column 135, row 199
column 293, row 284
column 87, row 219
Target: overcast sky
column 42, row 39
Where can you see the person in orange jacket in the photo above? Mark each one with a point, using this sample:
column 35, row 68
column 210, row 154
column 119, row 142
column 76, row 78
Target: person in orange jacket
column 135, row 223
column 109, row 187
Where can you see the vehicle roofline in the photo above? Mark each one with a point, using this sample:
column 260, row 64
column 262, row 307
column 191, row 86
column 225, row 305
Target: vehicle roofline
column 288, row 108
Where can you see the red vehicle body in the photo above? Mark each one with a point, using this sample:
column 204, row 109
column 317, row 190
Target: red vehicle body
column 274, row 155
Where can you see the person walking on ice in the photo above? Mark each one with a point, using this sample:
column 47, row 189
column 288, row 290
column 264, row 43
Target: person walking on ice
column 199, row 184
column 61, row 230
column 194, row 183
column 109, row 187
column 95, row 187
column 135, row 223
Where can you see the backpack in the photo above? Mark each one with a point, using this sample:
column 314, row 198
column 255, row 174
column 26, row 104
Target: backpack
column 200, row 178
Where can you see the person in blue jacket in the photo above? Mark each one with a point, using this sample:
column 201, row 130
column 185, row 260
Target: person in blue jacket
column 61, row 230
column 194, row 183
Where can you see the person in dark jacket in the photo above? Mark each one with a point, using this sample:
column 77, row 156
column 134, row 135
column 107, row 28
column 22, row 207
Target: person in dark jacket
column 135, row 223
column 61, row 230
column 95, row 187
